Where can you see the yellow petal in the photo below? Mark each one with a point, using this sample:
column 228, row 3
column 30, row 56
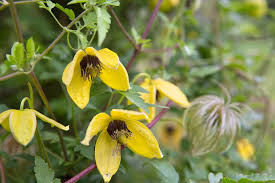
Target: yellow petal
column 98, row 123
column 22, row 125
column 115, row 78
column 149, row 98
column 171, row 91
column 142, row 141
column 127, row 115
column 70, row 68
column 79, row 89
column 4, row 119
column 107, row 155
column 50, row 121
column 107, row 57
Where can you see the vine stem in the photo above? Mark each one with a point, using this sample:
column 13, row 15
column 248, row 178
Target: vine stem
column 18, row 3
column 41, row 147
column 2, row 171
column 16, row 21
column 46, row 103
column 93, row 165
column 145, row 34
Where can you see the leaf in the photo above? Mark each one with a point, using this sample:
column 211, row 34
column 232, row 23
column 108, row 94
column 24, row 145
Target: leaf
column 204, row 71
column 68, row 12
column 135, row 34
column 90, row 20
column 103, row 23
column 215, row 178
column 50, row 5
column 112, row 3
column 30, row 48
column 137, row 88
column 86, row 151
column 43, row 173
column 17, row 51
column 134, row 97
column 165, row 171
column 77, row 1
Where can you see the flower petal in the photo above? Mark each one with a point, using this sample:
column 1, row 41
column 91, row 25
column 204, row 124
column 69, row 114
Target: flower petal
column 149, row 98
column 70, row 68
column 4, row 119
column 79, row 89
column 50, row 121
column 171, row 91
column 107, row 155
column 127, row 115
column 98, row 123
column 115, row 78
column 142, row 141
column 22, row 125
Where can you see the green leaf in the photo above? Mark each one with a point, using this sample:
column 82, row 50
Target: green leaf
column 30, row 48
column 112, row 2
column 10, row 59
column 68, row 12
column 103, row 23
column 43, row 173
column 90, row 20
column 134, row 97
column 17, row 51
column 215, row 178
column 204, row 71
column 137, row 88
column 135, row 34
column 77, row 1
column 50, row 5
column 86, row 151
column 164, row 170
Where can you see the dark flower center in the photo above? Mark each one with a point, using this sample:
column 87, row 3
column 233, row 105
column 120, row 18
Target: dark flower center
column 170, row 130
column 158, row 96
column 90, row 67
column 118, row 128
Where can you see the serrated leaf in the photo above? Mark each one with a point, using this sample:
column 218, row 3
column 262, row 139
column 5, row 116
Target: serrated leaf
column 43, row 173
column 103, row 23
column 50, row 5
column 164, row 170
column 135, row 34
column 134, row 97
column 90, row 20
column 86, row 151
column 77, row 1
column 30, row 48
column 68, row 12
column 215, row 178
column 10, row 59
column 17, row 51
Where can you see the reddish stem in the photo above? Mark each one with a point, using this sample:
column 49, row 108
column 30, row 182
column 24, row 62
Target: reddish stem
column 93, row 166
column 145, row 34
column 3, row 178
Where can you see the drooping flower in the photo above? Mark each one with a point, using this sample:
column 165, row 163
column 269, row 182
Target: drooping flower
column 22, row 123
column 245, row 149
column 121, row 128
column 89, row 64
column 212, row 124
column 170, row 134
column 158, row 88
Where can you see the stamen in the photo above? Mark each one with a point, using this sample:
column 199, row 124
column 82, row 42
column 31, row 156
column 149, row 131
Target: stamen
column 118, row 128
column 170, row 130
column 90, row 67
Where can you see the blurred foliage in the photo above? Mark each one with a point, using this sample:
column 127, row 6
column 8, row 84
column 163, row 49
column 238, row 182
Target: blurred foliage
column 229, row 42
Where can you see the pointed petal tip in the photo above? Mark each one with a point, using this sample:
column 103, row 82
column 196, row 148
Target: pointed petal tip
column 67, row 128
column 107, row 177
column 85, row 142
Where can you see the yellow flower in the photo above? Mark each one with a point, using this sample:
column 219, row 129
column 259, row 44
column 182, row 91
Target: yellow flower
column 170, row 134
column 121, row 128
column 22, row 123
column 159, row 88
column 245, row 149
column 86, row 65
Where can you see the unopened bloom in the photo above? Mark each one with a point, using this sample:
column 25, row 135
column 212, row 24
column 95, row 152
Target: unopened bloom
column 89, row 64
column 158, row 88
column 22, row 123
column 121, row 128
column 245, row 149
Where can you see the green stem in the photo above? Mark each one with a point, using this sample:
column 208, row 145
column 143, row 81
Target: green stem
column 120, row 100
column 23, row 102
column 141, row 75
column 46, row 103
column 74, row 123
column 41, row 147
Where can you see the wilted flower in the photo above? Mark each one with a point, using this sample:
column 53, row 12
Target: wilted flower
column 121, row 128
column 22, row 123
column 159, row 88
column 245, row 149
column 212, row 124
column 170, row 134
column 89, row 64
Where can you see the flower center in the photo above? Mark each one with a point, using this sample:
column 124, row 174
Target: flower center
column 170, row 130
column 90, row 67
column 117, row 129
